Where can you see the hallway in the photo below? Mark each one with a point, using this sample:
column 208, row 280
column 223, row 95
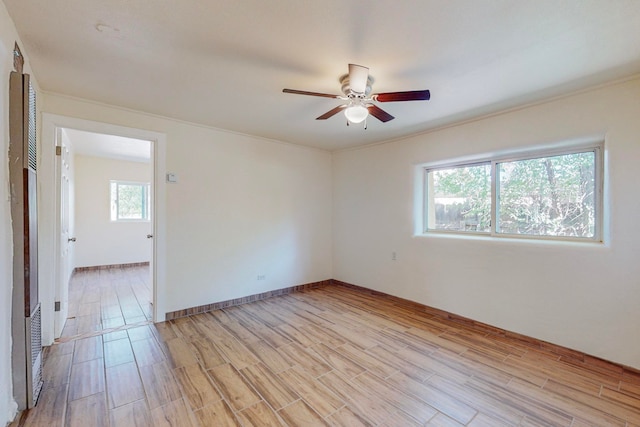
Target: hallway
column 101, row 300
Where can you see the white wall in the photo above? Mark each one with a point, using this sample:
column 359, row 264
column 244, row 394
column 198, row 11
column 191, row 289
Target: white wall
column 7, row 405
column 101, row 241
column 242, row 207
column 582, row 296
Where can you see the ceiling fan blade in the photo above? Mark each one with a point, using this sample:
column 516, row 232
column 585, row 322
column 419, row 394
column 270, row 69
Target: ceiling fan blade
column 379, row 113
column 412, row 95
column 358, row 76
column 331, row 113
column 304, row 92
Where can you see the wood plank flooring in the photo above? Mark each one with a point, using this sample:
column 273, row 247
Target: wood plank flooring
column 330, row 356
column 108, row 298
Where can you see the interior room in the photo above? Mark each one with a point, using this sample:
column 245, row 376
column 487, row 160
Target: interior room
column 320, row 213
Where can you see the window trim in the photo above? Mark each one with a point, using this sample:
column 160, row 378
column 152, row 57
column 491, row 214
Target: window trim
column 147, row 211
column 596, row 147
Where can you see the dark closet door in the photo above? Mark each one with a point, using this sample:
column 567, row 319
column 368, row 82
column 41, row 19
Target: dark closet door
column 26, row 311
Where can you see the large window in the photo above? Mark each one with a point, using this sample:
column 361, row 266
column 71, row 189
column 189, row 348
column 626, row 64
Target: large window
column 545, row 194
column 129, row 201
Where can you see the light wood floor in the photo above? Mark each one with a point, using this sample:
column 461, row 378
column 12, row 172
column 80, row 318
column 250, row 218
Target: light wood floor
column 330, row 356
column 109, row 298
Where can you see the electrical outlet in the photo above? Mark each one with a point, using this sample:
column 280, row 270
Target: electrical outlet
column 261, row 277
column 393, row 256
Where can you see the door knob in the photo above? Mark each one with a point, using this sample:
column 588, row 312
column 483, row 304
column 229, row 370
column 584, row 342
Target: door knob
column 149, row 236
column 71, row 239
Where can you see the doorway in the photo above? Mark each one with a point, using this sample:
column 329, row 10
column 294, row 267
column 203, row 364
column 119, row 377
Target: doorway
column 106, row 226
column 99, row 146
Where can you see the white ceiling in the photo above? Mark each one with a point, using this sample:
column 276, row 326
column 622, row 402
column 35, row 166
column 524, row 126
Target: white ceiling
column 224, row 63
column 109, row 146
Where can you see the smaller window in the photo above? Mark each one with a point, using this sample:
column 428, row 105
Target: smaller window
column 459, row 198
column 129, row 201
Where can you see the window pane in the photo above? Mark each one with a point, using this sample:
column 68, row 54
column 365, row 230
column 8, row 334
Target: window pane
column 130, row 203
column 459, row 199
column 114, row 201
column 548, row 196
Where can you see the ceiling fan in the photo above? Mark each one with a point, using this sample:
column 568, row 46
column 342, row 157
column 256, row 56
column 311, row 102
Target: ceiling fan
column 356, row 87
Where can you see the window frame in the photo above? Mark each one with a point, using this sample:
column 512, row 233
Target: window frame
column 146, row 208
column 597, row 148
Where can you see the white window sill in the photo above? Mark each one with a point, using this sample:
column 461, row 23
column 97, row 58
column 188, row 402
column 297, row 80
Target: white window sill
column 487, row 237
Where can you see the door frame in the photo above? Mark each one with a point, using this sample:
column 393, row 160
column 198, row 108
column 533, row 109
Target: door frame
column 49, row 228
column 60, row 217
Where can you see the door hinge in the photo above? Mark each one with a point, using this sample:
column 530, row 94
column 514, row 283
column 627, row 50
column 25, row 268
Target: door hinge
column 56, row 306
column 58, row 150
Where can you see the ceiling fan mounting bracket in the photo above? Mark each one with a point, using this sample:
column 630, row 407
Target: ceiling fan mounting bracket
column 346, row 87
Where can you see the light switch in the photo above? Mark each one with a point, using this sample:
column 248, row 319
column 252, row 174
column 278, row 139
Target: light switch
column 172, row 177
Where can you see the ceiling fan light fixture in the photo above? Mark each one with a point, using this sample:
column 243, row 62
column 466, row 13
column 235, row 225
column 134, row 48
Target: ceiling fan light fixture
column 356, row 113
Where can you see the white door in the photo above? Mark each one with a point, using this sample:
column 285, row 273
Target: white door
column 66, row 239
column 152, row 231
